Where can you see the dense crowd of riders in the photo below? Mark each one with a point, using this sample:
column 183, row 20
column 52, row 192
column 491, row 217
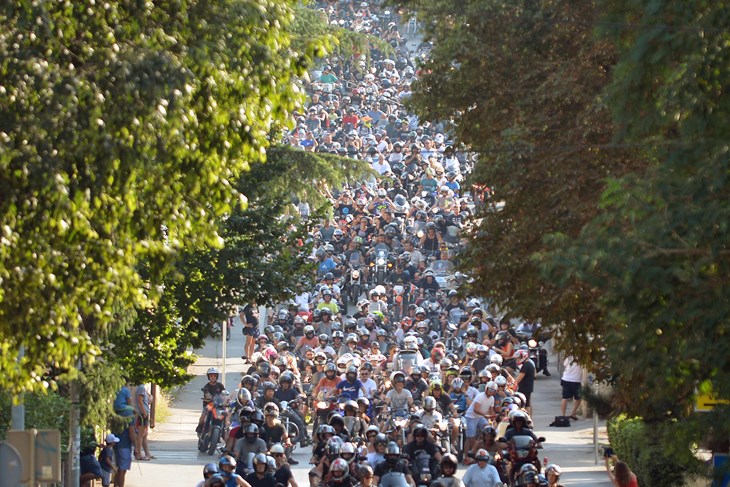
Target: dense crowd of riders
column 399, row 378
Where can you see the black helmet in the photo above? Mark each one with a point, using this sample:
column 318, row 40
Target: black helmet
column 420, row 430
column 251, row 433
column 392, row 453
column 329, row 276
column 449, row 459
column 210, row 469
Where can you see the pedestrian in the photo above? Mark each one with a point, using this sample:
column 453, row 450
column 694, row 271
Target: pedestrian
column 124, row 407
column 571, row 382
column 525, row 378
column 142, row 401
column 106, row 459
column 250, row 318
column 123, row 457
column 621, row 476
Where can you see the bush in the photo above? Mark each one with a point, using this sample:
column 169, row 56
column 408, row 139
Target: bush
column 645, row 448
column 42, row 411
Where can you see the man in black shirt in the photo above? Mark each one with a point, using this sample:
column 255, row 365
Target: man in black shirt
column 392, row 464
column 210, row 390
column 526, row 378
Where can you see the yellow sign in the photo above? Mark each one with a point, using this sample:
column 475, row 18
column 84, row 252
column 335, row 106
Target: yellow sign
column 707, row 402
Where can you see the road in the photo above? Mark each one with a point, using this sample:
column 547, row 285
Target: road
column 178, row 462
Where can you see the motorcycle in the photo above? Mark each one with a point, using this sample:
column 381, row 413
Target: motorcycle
column 381, row 265
column 323, row 408
column 353, row 283
column 421, row 469
column 521, row 450
column 214, row 423
column 393, row 479
column 292, row 430
column 458, row 448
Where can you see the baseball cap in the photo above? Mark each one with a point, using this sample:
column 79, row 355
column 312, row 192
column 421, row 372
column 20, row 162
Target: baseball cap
column 110, row 438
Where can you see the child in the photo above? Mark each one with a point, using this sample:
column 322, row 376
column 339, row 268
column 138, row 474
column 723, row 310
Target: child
column 106, row 460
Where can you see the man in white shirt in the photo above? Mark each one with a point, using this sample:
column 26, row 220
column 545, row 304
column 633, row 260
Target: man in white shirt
column 381, row 166
column 478, row 414
column 571, row 382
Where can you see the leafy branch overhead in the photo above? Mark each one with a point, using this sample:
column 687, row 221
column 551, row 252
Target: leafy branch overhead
column 125, row 127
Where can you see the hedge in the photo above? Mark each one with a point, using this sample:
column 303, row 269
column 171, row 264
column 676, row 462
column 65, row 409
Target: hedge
column 643, row 447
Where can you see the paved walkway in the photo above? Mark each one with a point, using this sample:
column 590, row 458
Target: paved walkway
column 179, row 463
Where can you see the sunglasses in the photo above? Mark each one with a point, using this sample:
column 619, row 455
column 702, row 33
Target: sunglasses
column 278, row 454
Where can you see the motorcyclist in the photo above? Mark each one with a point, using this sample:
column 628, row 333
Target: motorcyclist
column 210, row 390
column 519, row 427
column 247, row 447
column 288, row 392
column 339, row 475
column 481, row 474
column 227, row 467
column 449, row 464
column 392, row 463
column 399, row 398
column 209, row 470
column 420, row 443
column 552, row 473
column 350, row 387
column 260, row 477
column 416, row 384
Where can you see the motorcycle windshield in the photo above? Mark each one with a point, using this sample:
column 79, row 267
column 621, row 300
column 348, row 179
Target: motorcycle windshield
column 442, row 267
column 355, row 259
column 393, row 479
column 522, row 442
column 455, row 315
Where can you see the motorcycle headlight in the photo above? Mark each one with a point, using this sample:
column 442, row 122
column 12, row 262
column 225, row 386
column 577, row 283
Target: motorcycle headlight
column 322, row 405
column 356, row 274
column 532, row 343
column 381, row 261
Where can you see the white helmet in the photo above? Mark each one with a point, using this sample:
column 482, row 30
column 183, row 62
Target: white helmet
column 276, row 448
column 496, row 359
column 410, row 343
column 500, row 380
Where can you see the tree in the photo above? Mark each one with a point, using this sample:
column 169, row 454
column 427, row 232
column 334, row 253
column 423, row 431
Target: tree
column 264, row 258
column 658, row 255
column 124, row 127
column 522, row 84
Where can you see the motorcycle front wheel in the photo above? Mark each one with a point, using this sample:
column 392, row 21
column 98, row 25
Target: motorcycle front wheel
column 215, row 435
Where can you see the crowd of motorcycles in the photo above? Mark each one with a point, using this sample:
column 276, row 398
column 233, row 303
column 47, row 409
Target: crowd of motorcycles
column 381, row 360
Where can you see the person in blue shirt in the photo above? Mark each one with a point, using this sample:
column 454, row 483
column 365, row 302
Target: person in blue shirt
column 459, row 398
column 351, row 387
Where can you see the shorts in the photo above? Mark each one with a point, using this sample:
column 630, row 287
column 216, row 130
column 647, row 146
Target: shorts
column 123, row 458
column 142, row 421
column 571, row 390
column 528, row 399
column 106, row 477
column 249, row 331
column 475, row 425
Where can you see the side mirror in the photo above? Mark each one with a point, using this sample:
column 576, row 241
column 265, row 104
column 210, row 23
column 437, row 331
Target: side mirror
column 541, row 439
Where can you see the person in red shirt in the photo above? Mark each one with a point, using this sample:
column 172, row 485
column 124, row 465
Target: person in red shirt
column 328, row 382
column 351, row 117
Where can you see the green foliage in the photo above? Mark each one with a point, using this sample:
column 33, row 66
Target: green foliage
column 42, row 411
column 264, row 258
column 523, row 84
column 124, row 126
column 651, row 452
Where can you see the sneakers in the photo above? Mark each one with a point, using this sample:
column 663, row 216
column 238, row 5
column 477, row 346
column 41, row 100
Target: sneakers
column 546, row 373
column 293, row 462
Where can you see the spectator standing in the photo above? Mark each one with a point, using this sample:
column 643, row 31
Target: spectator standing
column 571, row 382
column 142, row 400
column 122, row 457
column 106, row 460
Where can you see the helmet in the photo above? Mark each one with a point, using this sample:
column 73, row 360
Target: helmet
column 320, row 358
column 530, row 478
column 251, row 433
column 271, row 409
column 410, row 343
column 482, row 455
column 350, row 404
column 436, row 384
column 244, row 396
column 226, row 460
column 519, row 415
column 482, row 349
column 333, row 448
column 501, row 381
column 489, row 430
column 457, row 383
column 259, row 459
column 491, row 369
column 380, row 439
column 347, row 452
column 270, row 463
column 309, row 330
column 478, row 311
column 338, row 334
column 277, row 448
column 466, row 372
column 352, row 370
column 269, row 385
column 339, row 469
column 324, row 429
column 429, row 403
column 330, row 367
column 392, row 453
column 212, row 370
column 528, row 467
column 492, row 386
column 329, row 276
column 502, row 335
column 326, row 292
column 215, row 480
column 496, row 359
column 351, row 338
column 363, row 400
column 449, row 459
column 555, row 469
column 521, row 356
column 521, row 396
column 324, row 338
column 397, row 376
column 210, row 469
column 420, row 311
